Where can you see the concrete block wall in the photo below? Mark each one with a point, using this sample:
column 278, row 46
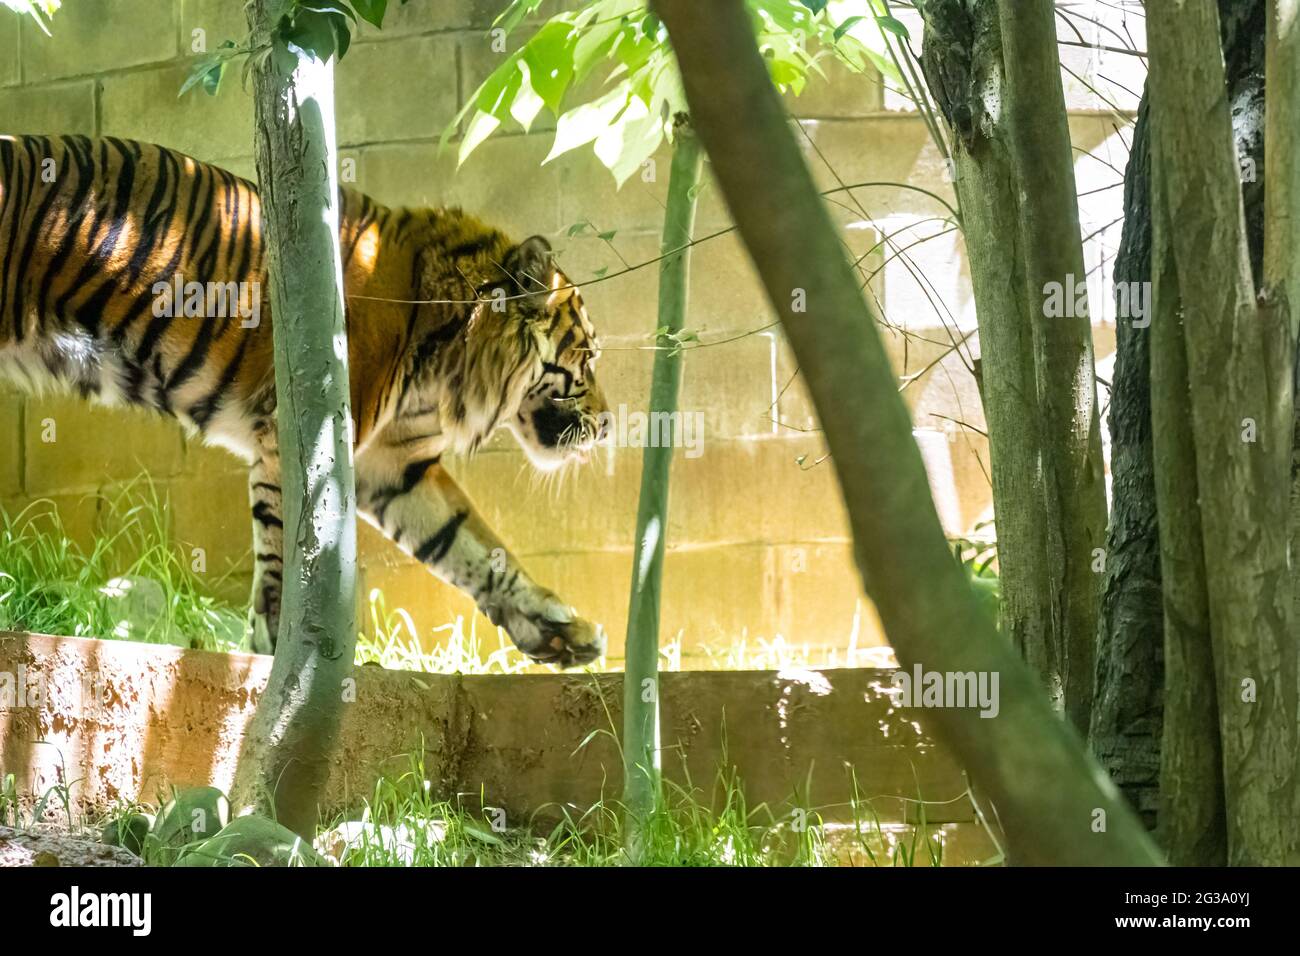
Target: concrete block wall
column 758, row 543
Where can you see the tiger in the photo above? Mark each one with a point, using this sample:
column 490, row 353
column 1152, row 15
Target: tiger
column 110, row 252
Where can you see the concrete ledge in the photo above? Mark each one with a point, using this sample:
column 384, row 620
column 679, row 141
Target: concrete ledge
column 118, row 720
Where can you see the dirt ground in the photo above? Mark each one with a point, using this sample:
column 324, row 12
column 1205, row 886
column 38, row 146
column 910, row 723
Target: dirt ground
column 48, row 846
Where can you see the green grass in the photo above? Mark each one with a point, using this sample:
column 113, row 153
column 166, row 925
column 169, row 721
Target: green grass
column 132, row 584
column 403, row 825
column 135, row 584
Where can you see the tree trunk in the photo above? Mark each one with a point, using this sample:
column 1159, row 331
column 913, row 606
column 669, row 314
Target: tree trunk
column 1126, row 727
column 1240, row 386
column 1126, row 721
column 987, row 192
column 1281, row 277
column 1193, row 828
column 1056, row 804
column 1073, row 473
column 294, row 729
column 641, row 758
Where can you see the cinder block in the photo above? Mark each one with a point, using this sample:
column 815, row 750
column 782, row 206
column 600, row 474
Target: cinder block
column 432, row 606
column 205, row 127
column 209, row 461
column 890, row 150
column 219, row 20
column 9, row 63
column 819, row 599
column 474, row 15
column 78, row 515
column 781, row 489
column 838, row 93
column 73, row 446
column 503, row 183
column 97, row 37
column 49, row 110
column 710, row 597
column 735, row 492
column 534, row 515
column 370, row 104
column 11, row 444
column 971, row 476
column 212, row 513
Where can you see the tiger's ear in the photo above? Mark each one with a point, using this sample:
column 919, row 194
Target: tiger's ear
column 531, row 264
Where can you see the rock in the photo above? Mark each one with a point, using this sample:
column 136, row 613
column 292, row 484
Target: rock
column 128, row 832
column 193, row 813
column 400, row 841
column 138, row 608
column 253, row 841
column 47, row 847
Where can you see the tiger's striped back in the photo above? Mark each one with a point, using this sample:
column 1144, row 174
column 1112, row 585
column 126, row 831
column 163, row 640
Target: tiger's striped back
column 100, row 239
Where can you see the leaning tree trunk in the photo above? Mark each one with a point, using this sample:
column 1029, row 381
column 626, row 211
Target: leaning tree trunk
column 1127, row 717
column 641, row 759
column 286, row 763
column 1056, row 804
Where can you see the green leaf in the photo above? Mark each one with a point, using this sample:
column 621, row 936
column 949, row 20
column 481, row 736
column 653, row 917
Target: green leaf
column 893, row 25
column 328, row 6
column 846, row 26
column 626, row 144
column 549, row 56
column 607, row 236
column 527, row 103
column 515, row 14
column 816, row 6
column 312, row 32
column 206, row 73
column 582, row 124
column 594, row 45
column 480, row 128
column 372, row 11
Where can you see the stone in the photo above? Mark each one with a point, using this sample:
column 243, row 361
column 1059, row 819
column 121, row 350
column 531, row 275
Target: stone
column 252, row 841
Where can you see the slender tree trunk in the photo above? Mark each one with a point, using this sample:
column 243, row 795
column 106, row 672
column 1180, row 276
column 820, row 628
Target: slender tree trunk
column 986, row 185
column 1241, row 392
column 1281, row 275
column 1073, row 474
column 1057, row 805
column 294, row 729
column 1193, row 828
column 641, row 759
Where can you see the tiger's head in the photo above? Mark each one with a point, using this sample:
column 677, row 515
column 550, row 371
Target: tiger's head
column 530, row 337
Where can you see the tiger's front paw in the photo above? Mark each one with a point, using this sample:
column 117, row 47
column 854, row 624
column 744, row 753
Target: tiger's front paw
column 551, row 632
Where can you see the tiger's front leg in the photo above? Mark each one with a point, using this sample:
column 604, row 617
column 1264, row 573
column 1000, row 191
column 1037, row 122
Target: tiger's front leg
column 413, row 500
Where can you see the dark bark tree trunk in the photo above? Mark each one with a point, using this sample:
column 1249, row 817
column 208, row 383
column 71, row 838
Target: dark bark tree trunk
column 1126, row 725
